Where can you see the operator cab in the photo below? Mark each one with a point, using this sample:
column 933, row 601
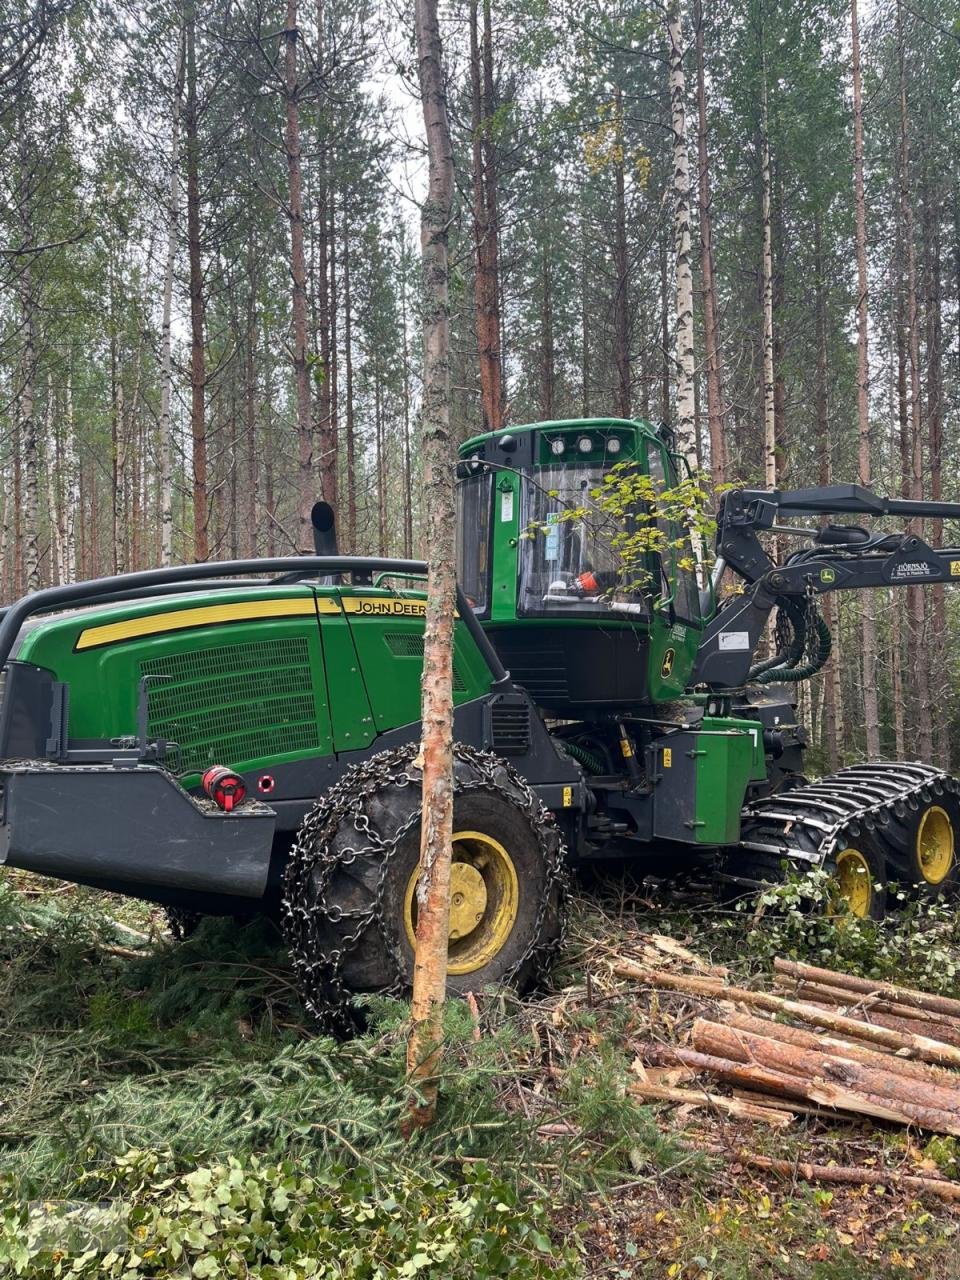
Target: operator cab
column 542, row 559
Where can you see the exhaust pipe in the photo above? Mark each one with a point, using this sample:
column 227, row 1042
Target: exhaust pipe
column 324, row 522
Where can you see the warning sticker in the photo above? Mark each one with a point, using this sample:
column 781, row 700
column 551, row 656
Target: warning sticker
column 734, row 641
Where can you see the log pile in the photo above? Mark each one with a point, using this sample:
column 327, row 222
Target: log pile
column 824, row 1043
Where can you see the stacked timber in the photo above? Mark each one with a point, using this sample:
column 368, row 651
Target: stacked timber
column 824, row 1043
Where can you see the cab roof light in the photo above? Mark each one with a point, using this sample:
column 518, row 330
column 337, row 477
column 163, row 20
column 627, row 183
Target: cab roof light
column 585, row 444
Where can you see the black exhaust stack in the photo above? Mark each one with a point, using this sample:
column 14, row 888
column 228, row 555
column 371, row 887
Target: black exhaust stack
column 324, row 523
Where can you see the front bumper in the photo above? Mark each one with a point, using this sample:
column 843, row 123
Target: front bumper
column 133, row 830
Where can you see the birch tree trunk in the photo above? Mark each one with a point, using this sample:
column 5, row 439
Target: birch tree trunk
column 26, row 413
column 298, row 273
column 716, row 408
column 685, row 407
column 166, row 352
column 436, row 751
column 71, row 485
column 621, row 266
column 766, row 293
column 871, row 710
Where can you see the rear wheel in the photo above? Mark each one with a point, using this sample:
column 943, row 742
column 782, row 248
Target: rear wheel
column 855, row 874
column 350, row 902
column 921, row 845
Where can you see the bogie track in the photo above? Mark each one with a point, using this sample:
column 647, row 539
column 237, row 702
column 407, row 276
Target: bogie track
column 896, row 821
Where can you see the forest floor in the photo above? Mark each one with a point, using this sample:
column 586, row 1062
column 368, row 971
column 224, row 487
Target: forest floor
column 178, row 1086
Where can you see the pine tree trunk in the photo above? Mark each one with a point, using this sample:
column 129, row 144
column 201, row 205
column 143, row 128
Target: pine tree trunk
column 166, row 355
column 407, row 465
column 916, row 602
column 436, row 752
column 685, row 420
column 250, row 401
column 934, row 353
column 766, row 293
column 348, row 367
column 621, row 268
column 485, row 219
column 298, row 275
column 871, row 711
column 716, row 408
column 198, row 377
column 821, row 402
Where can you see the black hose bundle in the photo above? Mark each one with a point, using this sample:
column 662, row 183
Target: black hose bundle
column 810, row 638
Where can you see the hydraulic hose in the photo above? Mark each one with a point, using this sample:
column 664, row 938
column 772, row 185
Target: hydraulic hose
column 592, row 763
column 790, row 675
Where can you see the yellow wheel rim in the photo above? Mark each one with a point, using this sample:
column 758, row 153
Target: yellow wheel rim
column 484, row 900
column 853, row 883
column 935, row 845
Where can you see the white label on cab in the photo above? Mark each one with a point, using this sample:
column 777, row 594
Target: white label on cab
column 738, row 641
column 506, row 506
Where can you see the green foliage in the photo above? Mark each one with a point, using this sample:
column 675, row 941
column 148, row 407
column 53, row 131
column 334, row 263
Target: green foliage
column 249, row 1217
column 638, row 516
column 918, row 944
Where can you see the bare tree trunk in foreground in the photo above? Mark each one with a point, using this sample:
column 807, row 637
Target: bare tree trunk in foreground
column 436, row 750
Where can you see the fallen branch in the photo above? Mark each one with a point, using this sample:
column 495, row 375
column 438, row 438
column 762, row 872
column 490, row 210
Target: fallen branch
column 777, row 1116
column 849, row 1175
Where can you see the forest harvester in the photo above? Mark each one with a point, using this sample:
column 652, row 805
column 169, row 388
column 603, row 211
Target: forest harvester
column 241, row 737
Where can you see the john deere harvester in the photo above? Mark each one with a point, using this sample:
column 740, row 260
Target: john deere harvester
column 241, row 737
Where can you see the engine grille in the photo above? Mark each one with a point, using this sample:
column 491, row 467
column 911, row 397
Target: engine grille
column 234, row 703
column 408, row 644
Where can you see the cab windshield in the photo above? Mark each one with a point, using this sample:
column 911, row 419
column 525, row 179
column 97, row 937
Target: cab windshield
column 571, row 565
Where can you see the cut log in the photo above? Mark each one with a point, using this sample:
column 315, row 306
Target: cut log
column 869, row 986
column 922, row 1047
column 781, row 1084
column 777, row 1116
column 853, row 1002
column 847, row 1175
column 935, row 1106
column 792, row 1104
column 921, row 1072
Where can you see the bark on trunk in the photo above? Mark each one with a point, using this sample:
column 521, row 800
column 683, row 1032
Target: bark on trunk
column 198, row 379
column 916, row 602
column 716, row 408
column 685, row 418
column 868, row 625
column 166, row 352
column 621, row 267
column 486, row 219
column 298, row 275
column 436, row 751
column 766, row 293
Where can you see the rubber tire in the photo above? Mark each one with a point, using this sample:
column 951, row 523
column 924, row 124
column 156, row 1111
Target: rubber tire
column 381, row 958
column 868, row 847
column 898, row 840
column 767, row 867
column 491, row 815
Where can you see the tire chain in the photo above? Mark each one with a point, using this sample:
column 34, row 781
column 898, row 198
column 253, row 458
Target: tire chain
column 312, row 863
